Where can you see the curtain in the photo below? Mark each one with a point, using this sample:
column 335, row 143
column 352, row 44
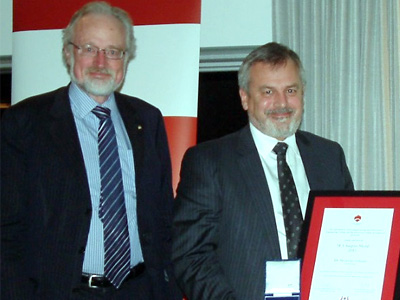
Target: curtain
column 350, row 52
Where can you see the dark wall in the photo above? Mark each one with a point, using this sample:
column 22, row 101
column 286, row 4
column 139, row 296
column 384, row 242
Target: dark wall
column 5, row 90
column 219, row 109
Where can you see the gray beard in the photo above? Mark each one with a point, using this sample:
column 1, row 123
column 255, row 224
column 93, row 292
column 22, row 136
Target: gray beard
column 272, row 130
column 94, row 86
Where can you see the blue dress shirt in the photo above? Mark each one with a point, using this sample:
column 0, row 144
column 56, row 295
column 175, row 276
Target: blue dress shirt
column 87, row 126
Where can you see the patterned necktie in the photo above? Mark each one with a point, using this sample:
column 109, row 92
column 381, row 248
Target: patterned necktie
column 112, row 210
column 292, row 216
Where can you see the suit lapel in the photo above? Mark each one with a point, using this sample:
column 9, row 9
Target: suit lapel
column 311, row 162
column 64, row 135
column 250, row 166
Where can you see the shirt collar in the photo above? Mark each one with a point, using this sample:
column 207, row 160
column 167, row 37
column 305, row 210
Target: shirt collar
column 84, row 104
column 265, row 143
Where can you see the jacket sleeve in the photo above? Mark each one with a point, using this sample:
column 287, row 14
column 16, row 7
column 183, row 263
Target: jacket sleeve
column 196, row 230
column 172, row 289
column 15, row 283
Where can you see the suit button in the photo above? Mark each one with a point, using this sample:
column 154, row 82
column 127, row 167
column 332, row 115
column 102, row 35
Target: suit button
column 82, row 250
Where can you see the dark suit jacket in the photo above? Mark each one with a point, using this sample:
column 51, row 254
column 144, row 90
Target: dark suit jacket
column 45, row 200
column 224, row 224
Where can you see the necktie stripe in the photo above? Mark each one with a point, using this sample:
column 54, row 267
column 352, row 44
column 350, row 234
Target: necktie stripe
column 113, row 182
column 119, row 261
column 116, row 245
column 120, row 248
column 112, row 210
column 107, row 146
column 116, row 261
column 113, row 219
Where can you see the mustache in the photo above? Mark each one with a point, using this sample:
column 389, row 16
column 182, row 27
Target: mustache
column 100, row 70
column 279, row 111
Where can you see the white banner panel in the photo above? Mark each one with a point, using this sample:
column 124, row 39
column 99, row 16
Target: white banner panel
column 164, row 72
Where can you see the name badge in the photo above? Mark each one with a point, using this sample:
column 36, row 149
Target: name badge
column 282, row 280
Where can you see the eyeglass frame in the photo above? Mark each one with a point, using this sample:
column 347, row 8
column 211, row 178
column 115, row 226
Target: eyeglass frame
column 97, row 50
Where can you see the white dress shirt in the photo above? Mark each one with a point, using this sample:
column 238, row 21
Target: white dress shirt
column 264, row 145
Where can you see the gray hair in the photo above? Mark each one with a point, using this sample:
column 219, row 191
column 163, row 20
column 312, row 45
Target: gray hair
column 102, row 8
column 271, row 53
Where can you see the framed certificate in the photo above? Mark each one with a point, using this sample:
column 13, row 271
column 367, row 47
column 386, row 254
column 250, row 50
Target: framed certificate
column 352, row 247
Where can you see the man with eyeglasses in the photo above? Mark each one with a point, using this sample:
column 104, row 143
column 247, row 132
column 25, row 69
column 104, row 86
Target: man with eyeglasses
column 86, row 200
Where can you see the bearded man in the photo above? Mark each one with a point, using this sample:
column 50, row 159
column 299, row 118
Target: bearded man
column 230, row 218
column 86, row 193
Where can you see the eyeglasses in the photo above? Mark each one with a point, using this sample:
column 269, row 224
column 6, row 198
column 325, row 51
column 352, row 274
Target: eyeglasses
column 92, row 51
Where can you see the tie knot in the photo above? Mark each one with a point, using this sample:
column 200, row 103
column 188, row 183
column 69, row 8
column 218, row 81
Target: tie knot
column 280, row 148
column 101, row 112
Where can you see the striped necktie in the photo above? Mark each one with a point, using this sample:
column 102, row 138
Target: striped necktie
column 292, row 216
column 112, row 210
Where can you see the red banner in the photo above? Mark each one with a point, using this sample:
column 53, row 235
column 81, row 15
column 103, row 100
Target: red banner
column 34, row 15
